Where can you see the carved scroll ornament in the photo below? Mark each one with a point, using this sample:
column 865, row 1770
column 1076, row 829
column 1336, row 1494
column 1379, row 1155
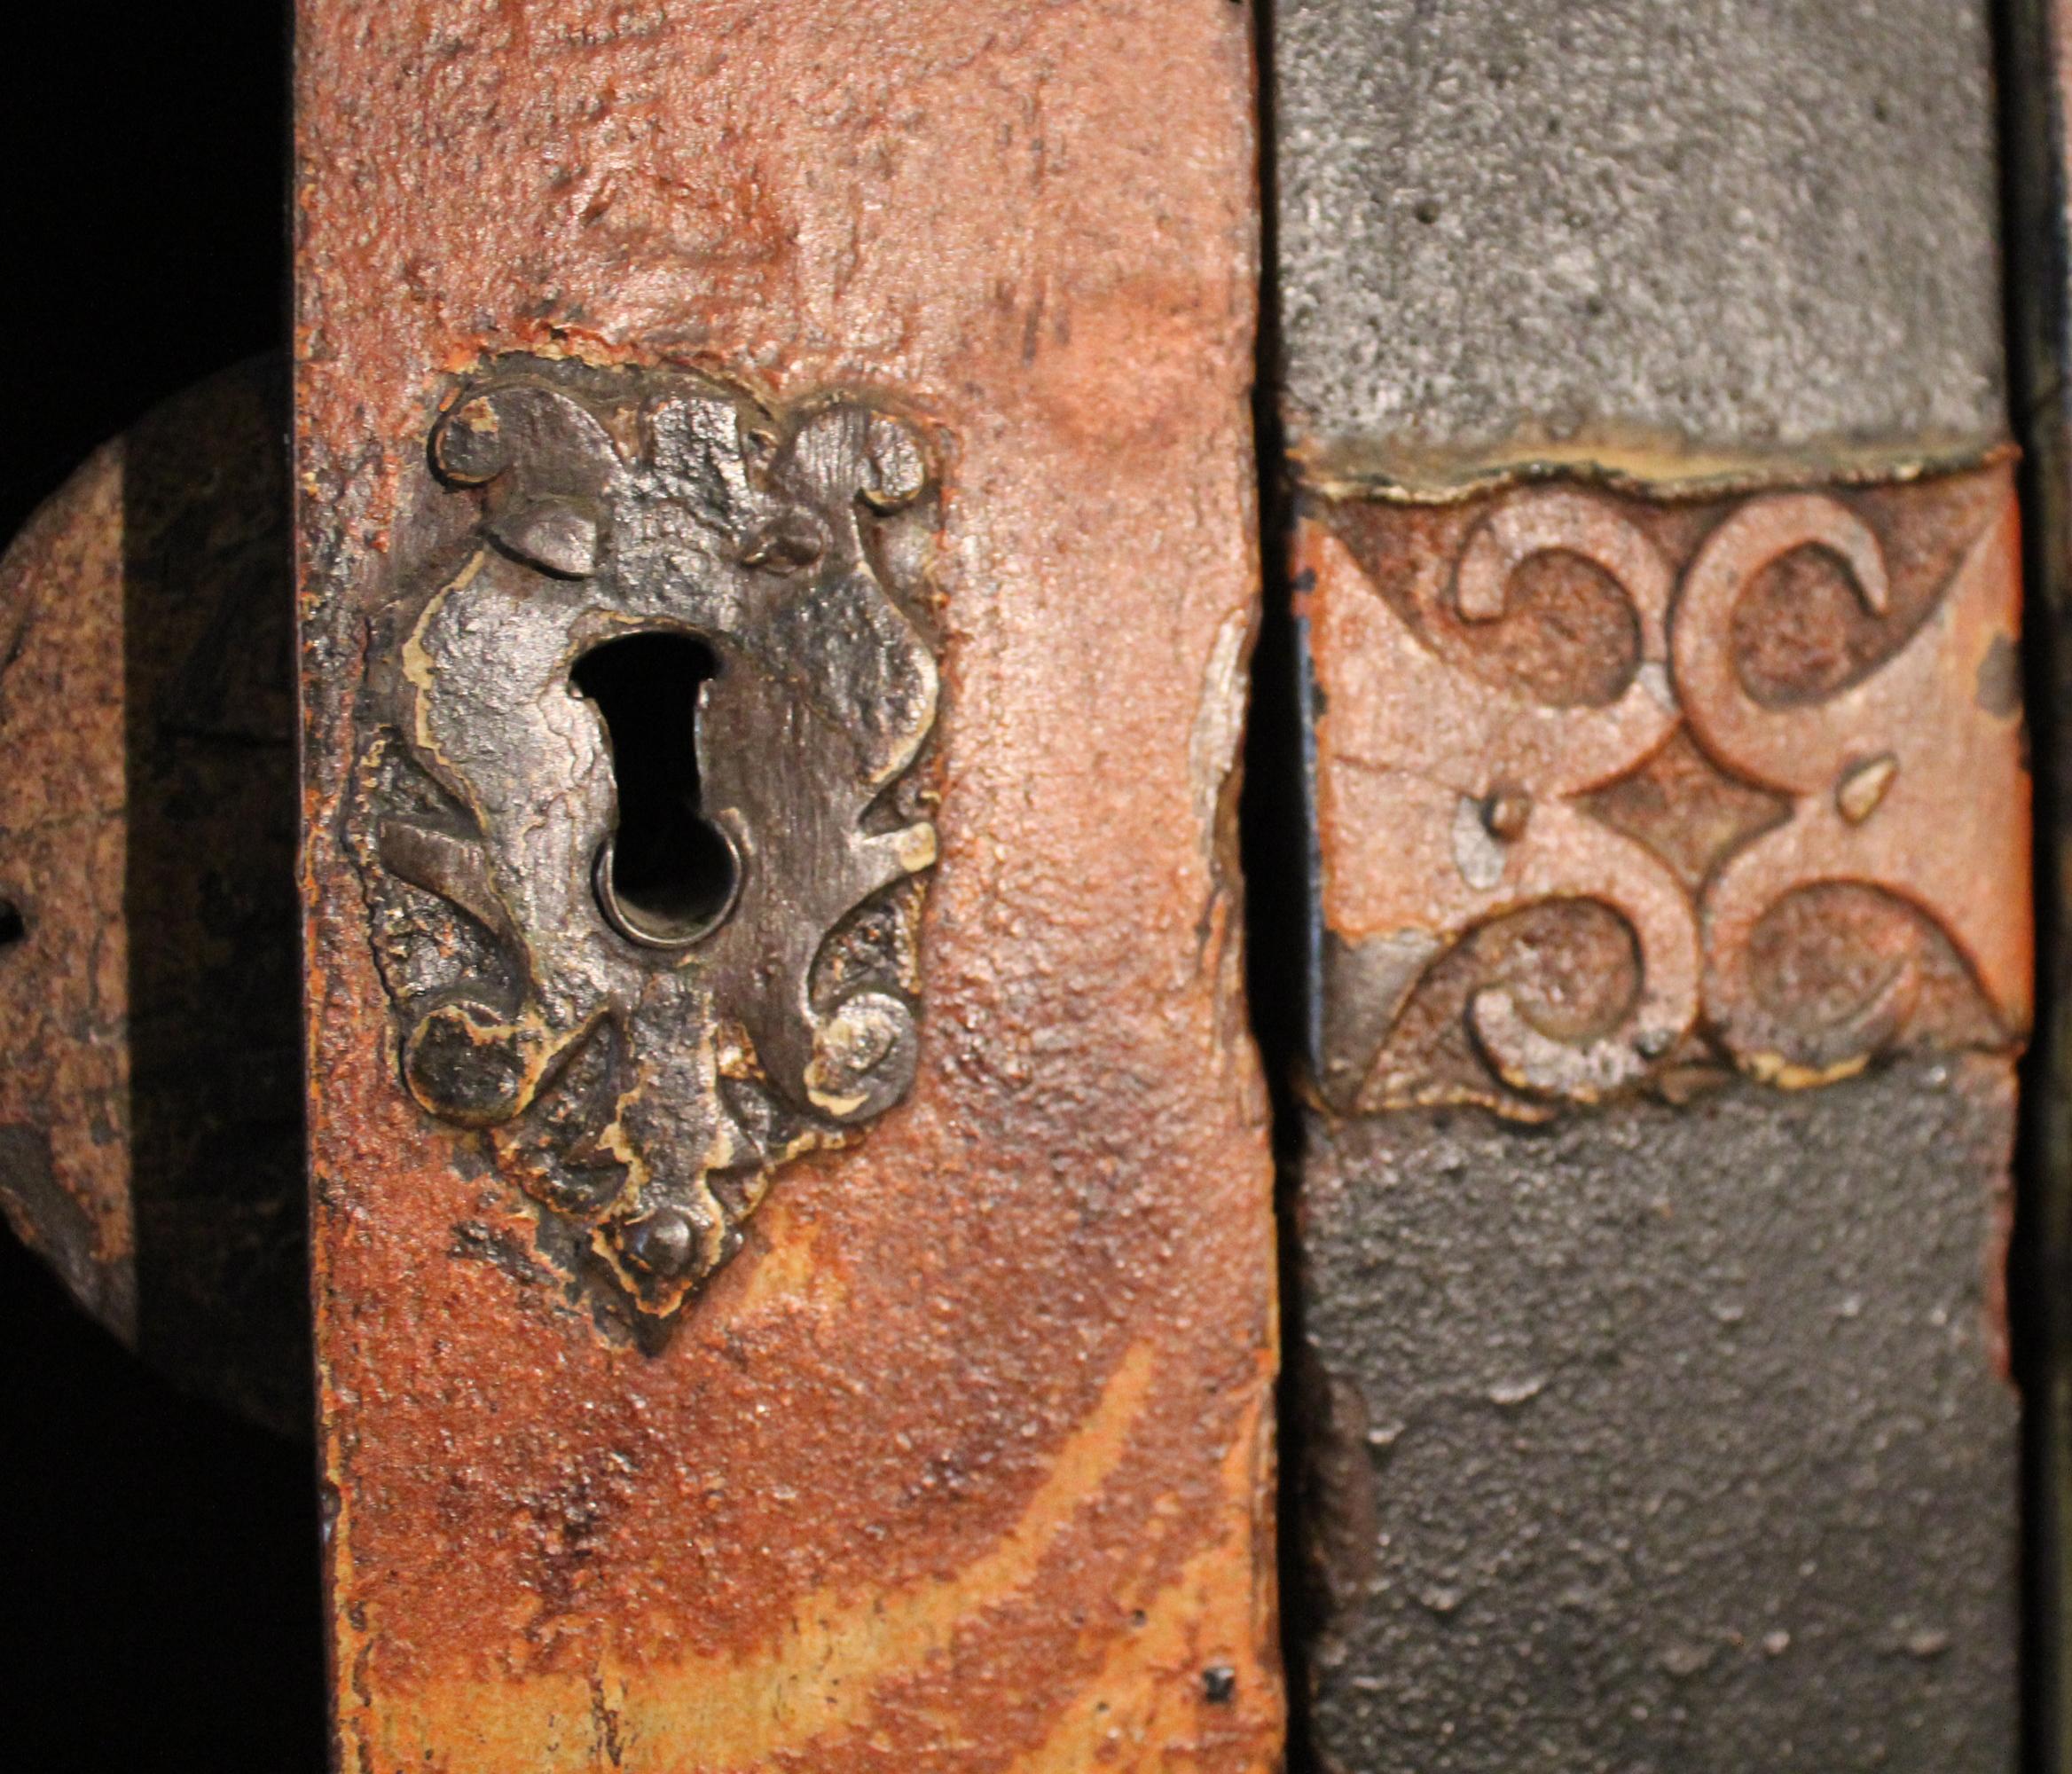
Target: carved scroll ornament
column 1609, row 791
column 640, row 1061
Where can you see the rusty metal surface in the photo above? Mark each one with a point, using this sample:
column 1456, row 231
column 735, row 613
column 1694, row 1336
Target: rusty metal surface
column 1614, row 792
column 150, row 1114
column 1665, row 1439
column 1654, row 236
column 965, row 1457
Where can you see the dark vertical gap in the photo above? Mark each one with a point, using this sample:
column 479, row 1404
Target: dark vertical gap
column 2036, row 261
column 216, row 1074
column 1274, row 846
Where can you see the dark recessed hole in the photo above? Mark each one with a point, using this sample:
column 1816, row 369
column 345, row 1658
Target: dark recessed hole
column 13, row 926
column 668, row 875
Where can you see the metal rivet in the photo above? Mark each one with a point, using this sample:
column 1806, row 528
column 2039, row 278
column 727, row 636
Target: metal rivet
column 1505, row 811
column 660, row 1243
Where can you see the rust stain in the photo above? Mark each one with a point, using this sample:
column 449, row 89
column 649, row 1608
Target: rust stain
column 819, row 1678
column 1189, row 1631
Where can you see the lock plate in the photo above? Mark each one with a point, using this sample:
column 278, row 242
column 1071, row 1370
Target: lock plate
column 636, row 809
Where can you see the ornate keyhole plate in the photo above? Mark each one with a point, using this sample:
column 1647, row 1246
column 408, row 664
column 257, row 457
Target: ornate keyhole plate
column 641, row 1067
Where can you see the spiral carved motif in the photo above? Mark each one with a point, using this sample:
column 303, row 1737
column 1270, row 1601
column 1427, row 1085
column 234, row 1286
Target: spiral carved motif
column 1774, row 817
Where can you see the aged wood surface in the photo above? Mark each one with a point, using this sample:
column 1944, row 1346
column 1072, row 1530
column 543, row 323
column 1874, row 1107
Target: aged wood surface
column 1654, row 564
column 150, row 1130
column 964, row 1459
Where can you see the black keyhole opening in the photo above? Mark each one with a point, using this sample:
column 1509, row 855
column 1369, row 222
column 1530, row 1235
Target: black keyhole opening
column 667, row 876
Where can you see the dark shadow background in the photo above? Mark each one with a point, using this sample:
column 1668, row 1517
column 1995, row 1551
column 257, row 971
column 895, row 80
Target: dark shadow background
column 159, row 1594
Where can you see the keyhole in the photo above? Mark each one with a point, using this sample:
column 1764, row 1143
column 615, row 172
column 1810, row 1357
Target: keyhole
column 666, row 876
